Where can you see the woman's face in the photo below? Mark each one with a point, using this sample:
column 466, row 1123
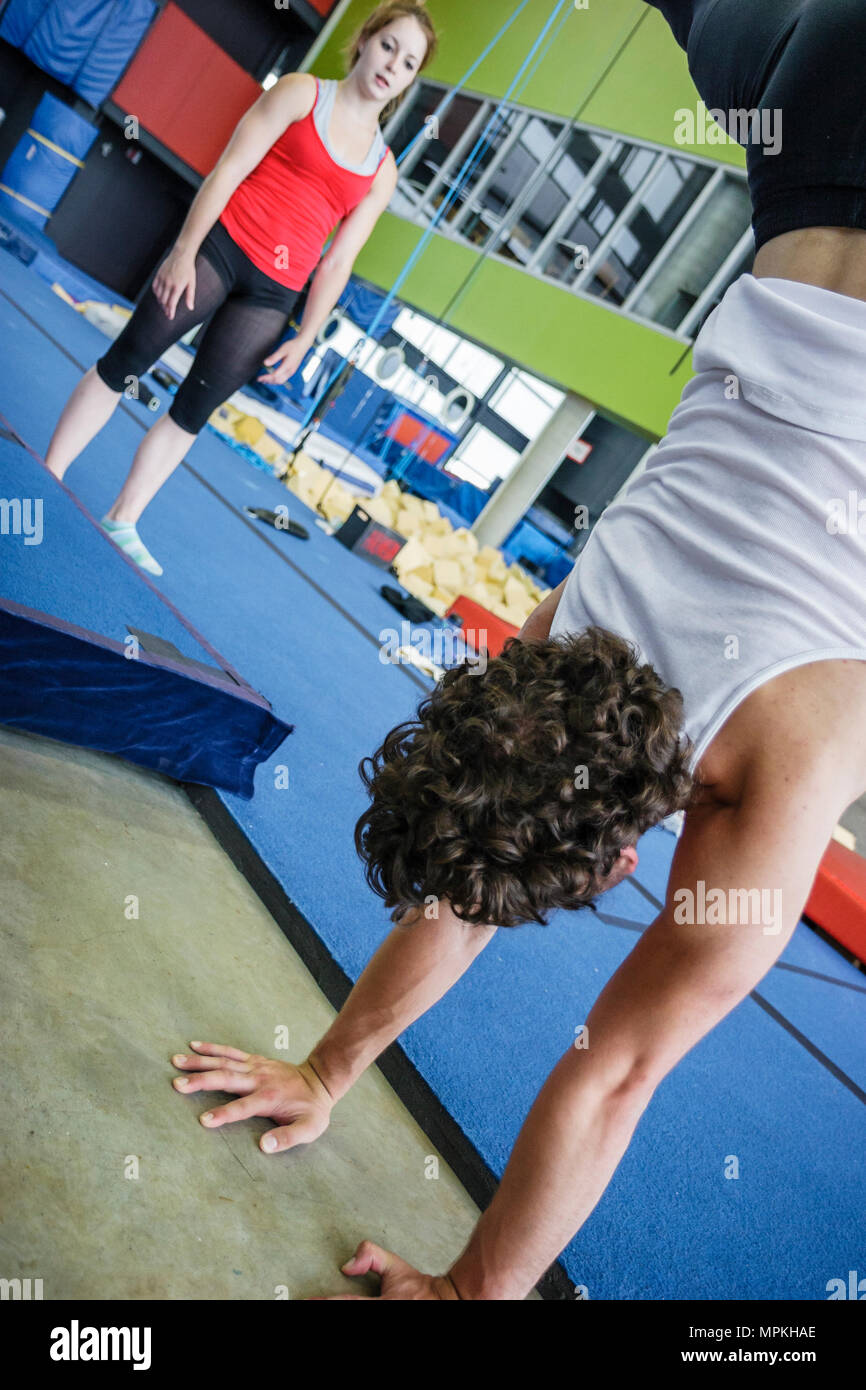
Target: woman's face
column 393, row 55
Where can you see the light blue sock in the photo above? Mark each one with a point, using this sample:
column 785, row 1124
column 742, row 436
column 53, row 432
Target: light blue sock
column 124, row 534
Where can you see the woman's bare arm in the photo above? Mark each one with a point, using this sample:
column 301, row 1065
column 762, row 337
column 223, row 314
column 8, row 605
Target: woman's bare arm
column 288, row 100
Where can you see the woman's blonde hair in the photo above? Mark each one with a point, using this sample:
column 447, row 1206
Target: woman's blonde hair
column 380, row 17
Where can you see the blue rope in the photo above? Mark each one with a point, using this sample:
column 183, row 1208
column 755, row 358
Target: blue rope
column 468, row 166
column 451, row 96
column 401, row 467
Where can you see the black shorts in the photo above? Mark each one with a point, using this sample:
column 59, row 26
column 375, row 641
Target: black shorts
column 241, row 276
column 800, row 65
column 247, row 315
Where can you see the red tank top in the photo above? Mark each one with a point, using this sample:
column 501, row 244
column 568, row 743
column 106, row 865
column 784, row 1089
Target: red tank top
column 283, row 212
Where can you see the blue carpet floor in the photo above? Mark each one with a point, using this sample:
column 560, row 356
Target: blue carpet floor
column 780, row 1083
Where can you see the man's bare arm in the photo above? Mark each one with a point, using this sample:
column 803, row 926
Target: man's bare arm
column 680, row 980
column 416, row 964
column 537, row 625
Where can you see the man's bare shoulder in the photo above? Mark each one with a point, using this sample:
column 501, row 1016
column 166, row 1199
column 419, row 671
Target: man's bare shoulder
column 803, row 724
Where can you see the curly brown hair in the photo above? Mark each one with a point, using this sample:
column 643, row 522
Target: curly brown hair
column 478, row 801
column 382, row 15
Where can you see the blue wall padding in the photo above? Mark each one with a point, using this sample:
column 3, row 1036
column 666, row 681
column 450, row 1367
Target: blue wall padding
column 20, row 18
column 354, row 410
column 451, row 494
column 122, row 32
column 37, row 251
column 670, row 1224
column 84, row 43
column 362, row 304
column 38, row 174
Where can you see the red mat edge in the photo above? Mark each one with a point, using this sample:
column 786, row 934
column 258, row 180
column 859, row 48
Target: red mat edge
column 837, row 902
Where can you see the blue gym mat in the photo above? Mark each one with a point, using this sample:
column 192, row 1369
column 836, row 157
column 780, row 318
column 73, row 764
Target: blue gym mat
column 779, row 1083
column 111, row 664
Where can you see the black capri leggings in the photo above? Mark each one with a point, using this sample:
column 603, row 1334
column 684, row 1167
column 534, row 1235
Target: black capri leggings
column 803, row 63
column 250, row 313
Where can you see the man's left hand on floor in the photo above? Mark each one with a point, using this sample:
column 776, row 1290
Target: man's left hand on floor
column 399, row 1279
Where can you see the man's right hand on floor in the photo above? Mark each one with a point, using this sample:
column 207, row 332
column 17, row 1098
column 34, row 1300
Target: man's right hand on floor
column 289, row 1093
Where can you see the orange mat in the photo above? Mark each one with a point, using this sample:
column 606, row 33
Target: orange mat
column 837, row 902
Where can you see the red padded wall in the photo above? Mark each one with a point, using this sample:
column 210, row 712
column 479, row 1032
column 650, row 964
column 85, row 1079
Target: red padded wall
column 185, row 90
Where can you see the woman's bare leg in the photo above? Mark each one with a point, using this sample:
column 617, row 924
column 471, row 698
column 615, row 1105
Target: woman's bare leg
column 156, row 458
column 90, row 406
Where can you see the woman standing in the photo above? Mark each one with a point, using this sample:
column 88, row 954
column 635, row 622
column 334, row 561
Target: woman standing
column 307, row 155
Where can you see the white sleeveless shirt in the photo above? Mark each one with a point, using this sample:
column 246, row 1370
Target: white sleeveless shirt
column 740, row 551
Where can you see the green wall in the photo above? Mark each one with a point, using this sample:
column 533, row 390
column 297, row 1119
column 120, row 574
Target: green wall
column 616, row 65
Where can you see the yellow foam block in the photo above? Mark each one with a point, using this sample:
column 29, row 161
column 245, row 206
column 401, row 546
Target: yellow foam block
column 308, row 483
column 392, row 490
column 467, row 539
column 509, row 615
column 413, row 556
column 380, row 509
column 487, row 554
column 444, row 596
column 337, row 503
column 496, row 586
column 447, row 575
column 524, row 579
column 268, row 448
column 436, row 544
column 521, row 614
column 455, row 546
column 421, row 588
column 431, row 511
column 313, row 484
column 514, row 593
column 248, row 429
column 305, row 467
column 309, row 499
column 441, row 526
column 408, row 522
column 408, row 508
column 440, row 606
column 64, row 294
column 393, row 507
column 479, row 593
